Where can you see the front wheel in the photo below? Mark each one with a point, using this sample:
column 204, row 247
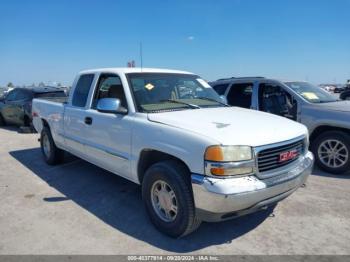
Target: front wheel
column 332, row 151
column 51, row 153
column 167, row 195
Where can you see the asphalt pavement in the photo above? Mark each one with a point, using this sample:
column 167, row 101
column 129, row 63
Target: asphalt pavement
column 78, row 208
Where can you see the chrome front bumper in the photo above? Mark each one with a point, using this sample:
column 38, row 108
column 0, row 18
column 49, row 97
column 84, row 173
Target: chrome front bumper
column 223, row 198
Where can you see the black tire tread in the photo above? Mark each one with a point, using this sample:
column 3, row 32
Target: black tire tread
column 2, row 121
column 57, row 153
column 182, row 178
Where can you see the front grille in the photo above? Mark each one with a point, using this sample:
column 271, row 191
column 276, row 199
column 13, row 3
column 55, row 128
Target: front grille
column 269, row 159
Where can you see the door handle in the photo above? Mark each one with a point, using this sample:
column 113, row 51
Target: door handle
column 88, row 120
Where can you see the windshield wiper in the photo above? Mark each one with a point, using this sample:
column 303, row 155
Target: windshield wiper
column 213, row 100
column 180, row 102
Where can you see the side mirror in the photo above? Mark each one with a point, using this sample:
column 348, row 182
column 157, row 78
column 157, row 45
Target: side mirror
column 223, row 99
column 111, row 105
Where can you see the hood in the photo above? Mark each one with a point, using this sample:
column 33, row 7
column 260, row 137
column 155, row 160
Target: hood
column 233, row 125
column 342, row 106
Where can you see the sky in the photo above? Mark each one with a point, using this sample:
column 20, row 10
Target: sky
column 51, row 41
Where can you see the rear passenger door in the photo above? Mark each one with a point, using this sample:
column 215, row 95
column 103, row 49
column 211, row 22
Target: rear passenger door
column 75, row 116
column 108, row 136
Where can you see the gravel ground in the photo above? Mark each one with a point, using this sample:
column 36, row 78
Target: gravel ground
column 78, row 208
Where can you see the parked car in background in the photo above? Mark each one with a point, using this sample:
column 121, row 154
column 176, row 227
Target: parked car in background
column 328, row 88
column 345, row 95
column 16, row 105
column 196, row 158
column 327, row 118
column 339, row 89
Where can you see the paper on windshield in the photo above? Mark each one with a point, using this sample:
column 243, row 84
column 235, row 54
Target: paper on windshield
column 203, row 83
column 310, row 95
column 149, row 86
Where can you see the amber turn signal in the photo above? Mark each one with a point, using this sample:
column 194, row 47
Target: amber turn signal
column 214, row 153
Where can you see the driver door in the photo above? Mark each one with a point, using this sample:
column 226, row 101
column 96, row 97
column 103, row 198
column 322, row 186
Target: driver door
column 108, row 135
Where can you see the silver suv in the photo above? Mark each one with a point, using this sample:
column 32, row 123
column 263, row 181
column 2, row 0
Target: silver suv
column 326, row 117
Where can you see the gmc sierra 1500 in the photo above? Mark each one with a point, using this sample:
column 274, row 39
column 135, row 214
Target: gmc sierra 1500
column 196, row 158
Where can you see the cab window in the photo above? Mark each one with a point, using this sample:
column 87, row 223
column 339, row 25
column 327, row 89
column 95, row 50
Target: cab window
column 82, row 89
column 109, row 86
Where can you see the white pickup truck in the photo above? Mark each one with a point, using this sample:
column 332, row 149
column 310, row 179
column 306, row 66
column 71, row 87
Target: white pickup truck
column 196, row 158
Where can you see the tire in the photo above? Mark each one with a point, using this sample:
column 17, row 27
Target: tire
column 320, row 145
column 51, row 153
column 26, row 121
column 2, row 121
column 176, row 176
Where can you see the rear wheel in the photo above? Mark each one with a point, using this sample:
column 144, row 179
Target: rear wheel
column 332, row 151
column 26, row 121
column 2, row 121
column 167, row 194
column 51, row 153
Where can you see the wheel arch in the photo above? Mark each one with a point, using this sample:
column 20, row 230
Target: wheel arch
column 325, row 128
column 149, row 157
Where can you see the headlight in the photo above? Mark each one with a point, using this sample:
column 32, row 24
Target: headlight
column 228, row 153
column 229, row 160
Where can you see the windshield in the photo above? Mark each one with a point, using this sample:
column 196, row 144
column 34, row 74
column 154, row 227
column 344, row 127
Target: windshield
column 154, row 92
column 311, row 93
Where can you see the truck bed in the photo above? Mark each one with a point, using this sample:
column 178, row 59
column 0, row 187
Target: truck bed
column 50, row 109
column 62, row 100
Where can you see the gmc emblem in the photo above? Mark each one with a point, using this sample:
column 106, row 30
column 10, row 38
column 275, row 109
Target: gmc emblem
column 285, row 156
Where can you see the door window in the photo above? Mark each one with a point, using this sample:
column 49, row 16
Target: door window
column 220, row 89
column 109, row 86
column 12, row 95
column 274, row 99
column 23, row 95
column 82, row 89
column 240, row 95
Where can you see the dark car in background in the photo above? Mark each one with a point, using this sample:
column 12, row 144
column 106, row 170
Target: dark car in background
column 339, row 89
column 345, row 95
column 16, row 106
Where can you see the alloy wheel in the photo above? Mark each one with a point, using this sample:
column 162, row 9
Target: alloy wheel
column 333, row 153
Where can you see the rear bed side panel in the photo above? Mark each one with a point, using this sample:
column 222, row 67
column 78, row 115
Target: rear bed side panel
column 52, row 113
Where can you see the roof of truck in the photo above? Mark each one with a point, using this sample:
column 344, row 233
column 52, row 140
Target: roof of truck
column 127, row 70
